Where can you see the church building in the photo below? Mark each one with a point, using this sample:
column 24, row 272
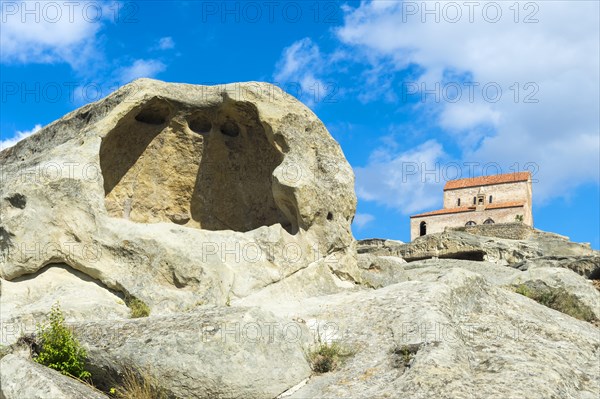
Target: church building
column 504, row 198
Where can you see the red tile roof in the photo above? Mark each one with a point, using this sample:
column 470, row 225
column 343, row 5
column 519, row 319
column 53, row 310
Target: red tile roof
column 508, row 204
column 500, row 205
column 487, row 180
column 445, row 211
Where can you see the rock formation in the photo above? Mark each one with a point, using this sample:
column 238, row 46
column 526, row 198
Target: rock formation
column 176, row 194
column 227, row 210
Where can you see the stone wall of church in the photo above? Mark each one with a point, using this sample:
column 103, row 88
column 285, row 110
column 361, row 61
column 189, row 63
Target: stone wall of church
column 437, row 223
column 518, row 191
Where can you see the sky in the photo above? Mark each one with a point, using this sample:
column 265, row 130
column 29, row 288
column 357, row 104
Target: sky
column 415, row 92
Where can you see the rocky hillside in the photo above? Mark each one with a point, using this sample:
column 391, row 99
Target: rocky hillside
column 197, row 242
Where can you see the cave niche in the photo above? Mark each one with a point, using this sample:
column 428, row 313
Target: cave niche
column 209, row 168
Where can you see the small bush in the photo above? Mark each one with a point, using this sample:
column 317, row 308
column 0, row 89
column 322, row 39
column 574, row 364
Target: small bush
column 59, row 349
column 327, row 357
column 404, row 355
column 136, row 385
column 557, row 299
column 138, row 308
column 4, row 350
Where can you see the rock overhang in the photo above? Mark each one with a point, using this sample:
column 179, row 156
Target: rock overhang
column 212, row 162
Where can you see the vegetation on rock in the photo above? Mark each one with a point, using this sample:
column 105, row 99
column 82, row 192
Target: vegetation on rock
column 138, row 308
column 137, row 385
column 59, row 349
column 557, row 299
column 327, row 357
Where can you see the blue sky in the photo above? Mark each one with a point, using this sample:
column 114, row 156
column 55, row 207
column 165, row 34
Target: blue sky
column 415, row 92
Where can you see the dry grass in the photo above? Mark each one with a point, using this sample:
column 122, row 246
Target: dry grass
column 327, row 357
column 137, row 385
column 138, row 308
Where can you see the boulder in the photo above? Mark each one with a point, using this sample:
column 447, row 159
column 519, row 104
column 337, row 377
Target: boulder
column 22, row 378
column 380, row 271
column 562, row 279
column 211, row 352
column 176, row 193
column 27, row 300
column 452, row 335
column 454, row 244
column 587, row 266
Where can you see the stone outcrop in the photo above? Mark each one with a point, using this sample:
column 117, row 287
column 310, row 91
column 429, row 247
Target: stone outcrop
column 212, row 352
column 25, row 301
column 587, row 266
column 21, row 378
column 462, row 245
column 175, row 194
column 450, row 334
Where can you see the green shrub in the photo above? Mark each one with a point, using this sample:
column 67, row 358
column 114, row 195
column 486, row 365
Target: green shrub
column 59, row 349
column 557, row 299
column 327, row 356
column 138, row 308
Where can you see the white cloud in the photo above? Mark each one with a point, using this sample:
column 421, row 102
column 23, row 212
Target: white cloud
column 362, row 219
column 554, row 61
column 166, row 43
column 400, row 180
column 140, row 69
column 50, row 32
column 297, row 70
column 18, row 136
column 70, row 32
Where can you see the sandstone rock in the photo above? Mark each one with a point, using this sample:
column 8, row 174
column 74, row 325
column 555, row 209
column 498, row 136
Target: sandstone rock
column 587, row 266
column 380, row 271
column 461, row 245
column 177, row 193
column 27, row 300
column 323, row 277
column 22, row 378
column 213, row 352
column 465, row 339
column 564, row 279
column 431, row 269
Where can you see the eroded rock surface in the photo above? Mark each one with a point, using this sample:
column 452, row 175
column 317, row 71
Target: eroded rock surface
column 451, row 335
column 212, row 352
column 461, row 245
column 176, row 194
column 587, row 266
column 22, row 378
column 27, row 300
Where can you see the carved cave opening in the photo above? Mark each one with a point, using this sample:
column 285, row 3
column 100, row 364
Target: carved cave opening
column 209, row 168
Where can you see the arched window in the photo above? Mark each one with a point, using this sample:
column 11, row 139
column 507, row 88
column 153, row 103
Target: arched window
column 489, row 221
column 470, row 223
column 422, row 229
column 458, row 202
column 490, row 199
column 474, row 200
